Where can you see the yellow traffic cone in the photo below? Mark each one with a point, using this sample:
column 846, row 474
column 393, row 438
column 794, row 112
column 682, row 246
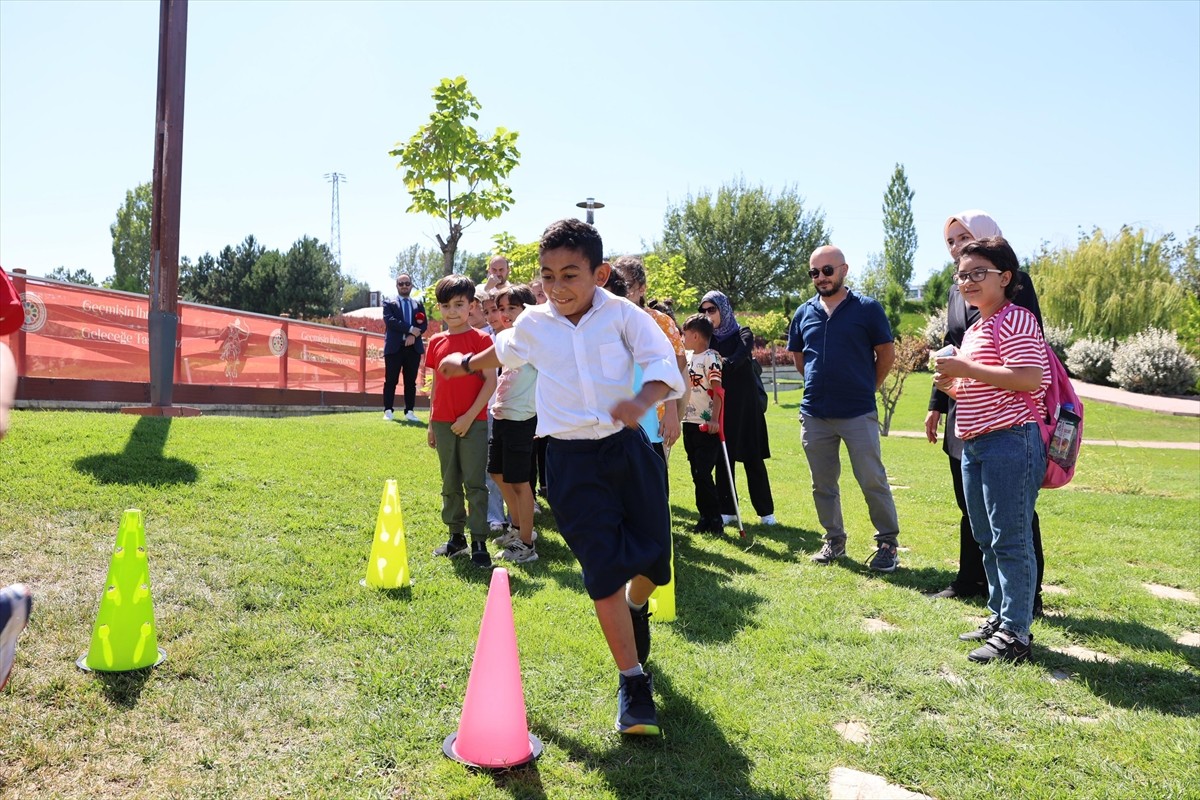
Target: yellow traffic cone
column 387, row 566
column 662, row 599
column 123, row 637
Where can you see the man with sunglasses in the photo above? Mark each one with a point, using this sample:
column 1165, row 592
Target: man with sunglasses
column 402, row 346
column 842, row 343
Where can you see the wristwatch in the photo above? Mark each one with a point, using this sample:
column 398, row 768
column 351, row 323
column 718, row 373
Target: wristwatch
column 466, row 363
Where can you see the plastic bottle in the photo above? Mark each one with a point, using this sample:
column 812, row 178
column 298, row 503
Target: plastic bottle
column 1063, row 443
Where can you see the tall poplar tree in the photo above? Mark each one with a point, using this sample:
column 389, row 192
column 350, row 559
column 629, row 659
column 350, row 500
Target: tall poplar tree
column 899, row 232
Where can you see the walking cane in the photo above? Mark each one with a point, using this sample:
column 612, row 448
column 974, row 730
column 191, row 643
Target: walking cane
column 728, row 468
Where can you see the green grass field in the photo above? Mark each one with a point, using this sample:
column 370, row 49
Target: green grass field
column 286, row 678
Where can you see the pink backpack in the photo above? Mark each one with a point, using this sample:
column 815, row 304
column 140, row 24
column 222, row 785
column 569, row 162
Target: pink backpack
column 1062, row 432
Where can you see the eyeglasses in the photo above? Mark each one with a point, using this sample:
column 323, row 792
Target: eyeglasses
column 708, row 309
column 826, row 270
column 404, row 283
column 975, row 275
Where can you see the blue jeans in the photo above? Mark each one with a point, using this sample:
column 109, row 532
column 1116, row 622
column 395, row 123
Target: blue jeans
column 1002, row 473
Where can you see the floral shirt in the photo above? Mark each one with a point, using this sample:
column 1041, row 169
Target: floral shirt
column 703, row 369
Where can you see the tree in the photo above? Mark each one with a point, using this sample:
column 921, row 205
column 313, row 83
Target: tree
column 664, row 280
column 873, row 281
column 355, row 294
column 911, row 353
column 448, row 150
column 423, row 265
column 1109, row 288
column 523, row 261
column 80, row 276
column 131, row 241
column 899, row 232
column 744, row 242
column 937, row 288
column 308, row 284
column 1185, row 262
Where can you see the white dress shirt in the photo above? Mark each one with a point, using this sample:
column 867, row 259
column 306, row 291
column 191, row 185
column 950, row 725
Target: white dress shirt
column 586, row 369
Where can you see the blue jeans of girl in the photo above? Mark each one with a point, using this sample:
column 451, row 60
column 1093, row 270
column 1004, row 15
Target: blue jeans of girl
column 1002, row 473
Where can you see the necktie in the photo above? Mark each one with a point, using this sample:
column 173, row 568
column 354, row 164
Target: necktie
column 407, row 312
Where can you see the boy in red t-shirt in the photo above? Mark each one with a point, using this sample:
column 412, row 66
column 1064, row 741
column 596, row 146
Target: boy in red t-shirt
column 458, row 422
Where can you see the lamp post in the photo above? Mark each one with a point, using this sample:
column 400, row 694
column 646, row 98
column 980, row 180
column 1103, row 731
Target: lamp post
column 591, row 205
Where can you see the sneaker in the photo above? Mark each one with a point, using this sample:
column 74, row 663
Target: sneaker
column 1002, row 646
column 982, row 633
column 411, row 417
column 636, row 714
column 512, row 536
column 456, row 545
column 641, row 631
column 768, row 520
column 707, row 525
column 950, row 593
column 728, row 519
column 829, row 553
column 480, row 557
column 16, row 602
column 519, row 552
column 886, row 559
column 498, row 527
column 387, row 415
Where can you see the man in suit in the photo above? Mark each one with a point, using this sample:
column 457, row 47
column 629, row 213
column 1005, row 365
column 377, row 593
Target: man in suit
column 402, row 348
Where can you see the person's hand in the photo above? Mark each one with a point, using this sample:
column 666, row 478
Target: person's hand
column 493, row 280
column 669, row 429
column 713, row 427
column 628, row 412
column 932, row 419
column 451, row 366
column 462, row 425
column 408, row 340
column 954, row 367
column 945, row 384
column 430, row 437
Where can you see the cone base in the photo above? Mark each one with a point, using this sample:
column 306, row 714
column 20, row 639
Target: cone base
column 82, row 663
column 409, row 585
column 535, row 750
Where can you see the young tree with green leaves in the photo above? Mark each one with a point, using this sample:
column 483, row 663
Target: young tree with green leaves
column 665, row 279
column 79, row 276
column 131, row 241
column 744, row 241
column 899, row 231
column 423, row 265
column 454, row 173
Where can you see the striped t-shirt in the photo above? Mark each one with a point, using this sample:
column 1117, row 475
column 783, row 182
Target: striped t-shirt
column 982, row 407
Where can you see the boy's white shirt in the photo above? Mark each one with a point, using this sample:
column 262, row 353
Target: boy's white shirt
column 586, row 369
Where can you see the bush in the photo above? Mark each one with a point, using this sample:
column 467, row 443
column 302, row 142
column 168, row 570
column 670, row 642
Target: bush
column 1153, row 362
column 762, row 354
column 1090, row 359
column 935, row 328
column 1059, row 340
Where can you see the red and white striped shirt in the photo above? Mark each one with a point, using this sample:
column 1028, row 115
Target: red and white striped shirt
column 981, row 407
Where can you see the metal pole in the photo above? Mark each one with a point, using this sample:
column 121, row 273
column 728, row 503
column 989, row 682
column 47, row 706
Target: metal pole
column 163, row 319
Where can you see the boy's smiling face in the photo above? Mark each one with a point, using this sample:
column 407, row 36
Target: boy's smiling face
column 492, row 314
column 570, row 282
column 455, row 313
column 509, row 311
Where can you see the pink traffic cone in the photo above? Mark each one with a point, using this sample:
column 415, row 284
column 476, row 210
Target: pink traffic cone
column 493, row 731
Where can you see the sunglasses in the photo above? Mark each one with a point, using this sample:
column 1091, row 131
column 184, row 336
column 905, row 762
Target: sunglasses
column 975, row 275
column 708, row 309
column 826, row 270
column 404, row 283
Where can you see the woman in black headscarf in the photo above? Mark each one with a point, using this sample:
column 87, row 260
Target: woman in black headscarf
column 745, row 409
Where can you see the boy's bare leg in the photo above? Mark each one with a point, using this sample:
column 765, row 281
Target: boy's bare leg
column 521, row 508
column 640, row 589
column 615, row 622
column 510, row 499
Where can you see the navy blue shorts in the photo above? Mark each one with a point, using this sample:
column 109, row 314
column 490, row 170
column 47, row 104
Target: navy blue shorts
column 610, row 502
column 510, row 452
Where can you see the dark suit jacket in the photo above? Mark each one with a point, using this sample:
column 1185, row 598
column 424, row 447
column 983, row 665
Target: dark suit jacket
column 959, row 317
column 393, row 317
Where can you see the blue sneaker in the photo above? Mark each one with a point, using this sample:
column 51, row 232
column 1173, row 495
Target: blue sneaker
column 636, row 714
column 16, row 602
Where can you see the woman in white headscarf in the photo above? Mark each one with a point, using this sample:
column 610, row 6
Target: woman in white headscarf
column 971, row 581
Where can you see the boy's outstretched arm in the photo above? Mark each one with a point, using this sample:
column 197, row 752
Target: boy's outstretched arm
column 451, row 365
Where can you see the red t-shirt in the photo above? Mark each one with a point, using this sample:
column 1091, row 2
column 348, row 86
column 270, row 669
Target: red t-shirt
column 454, row 396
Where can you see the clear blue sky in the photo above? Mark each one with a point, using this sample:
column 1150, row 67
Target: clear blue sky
column 1051, row 116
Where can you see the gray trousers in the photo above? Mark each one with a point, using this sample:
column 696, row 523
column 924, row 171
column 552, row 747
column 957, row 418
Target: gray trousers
column 822, row 440
column 464, row 464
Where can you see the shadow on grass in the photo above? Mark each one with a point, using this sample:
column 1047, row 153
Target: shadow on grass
column 1128, row 632
column 142, row 461
column 693, row 758
column 122, row 689
column 925, row 580
column 1131, row 685
column 522, row 783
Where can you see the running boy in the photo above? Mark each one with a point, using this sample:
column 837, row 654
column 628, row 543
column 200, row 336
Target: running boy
column 514, row 420
column 702, row 420
column 458, row 422
column 606, row 483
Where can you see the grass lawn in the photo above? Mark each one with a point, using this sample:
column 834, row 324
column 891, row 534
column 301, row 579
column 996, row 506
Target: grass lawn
column 286, row 678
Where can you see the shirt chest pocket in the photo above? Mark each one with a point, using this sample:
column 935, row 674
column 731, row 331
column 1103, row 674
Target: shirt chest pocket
column 616, row 362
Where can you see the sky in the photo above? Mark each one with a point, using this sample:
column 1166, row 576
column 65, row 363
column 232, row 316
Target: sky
column 1053, row 117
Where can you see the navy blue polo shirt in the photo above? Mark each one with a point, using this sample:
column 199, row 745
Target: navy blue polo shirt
column 839, row 355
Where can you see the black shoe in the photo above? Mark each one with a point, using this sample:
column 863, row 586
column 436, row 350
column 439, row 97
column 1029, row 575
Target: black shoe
column 480, row 556
column 636, row 714
column 950, row 592
column 709, row 525
column 985, row 631
column 455, row 546
column 641, row 631
column 1002, row 646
